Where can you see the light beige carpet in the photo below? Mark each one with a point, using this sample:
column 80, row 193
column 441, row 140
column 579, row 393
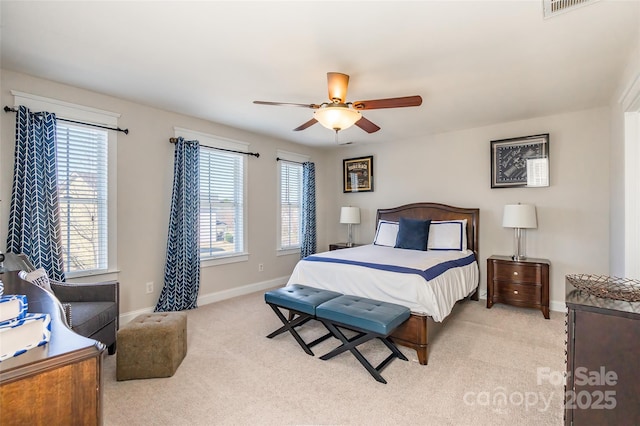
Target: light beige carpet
column 483, row 370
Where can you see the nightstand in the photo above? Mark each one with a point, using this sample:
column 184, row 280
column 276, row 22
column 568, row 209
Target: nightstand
column 522, row 283
column 338, row 246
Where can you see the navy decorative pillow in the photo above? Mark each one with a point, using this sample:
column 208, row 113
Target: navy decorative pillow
column 413, row 234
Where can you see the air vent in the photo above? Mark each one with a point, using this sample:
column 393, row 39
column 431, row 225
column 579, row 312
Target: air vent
column 555, row 7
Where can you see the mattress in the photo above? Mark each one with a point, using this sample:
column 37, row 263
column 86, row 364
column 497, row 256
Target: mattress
column 427, row 282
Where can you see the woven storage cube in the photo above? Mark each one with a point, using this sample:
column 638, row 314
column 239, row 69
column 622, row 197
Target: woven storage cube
column 152, row 345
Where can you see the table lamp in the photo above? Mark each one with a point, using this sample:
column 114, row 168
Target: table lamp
column 350, row 216
column 519, row 217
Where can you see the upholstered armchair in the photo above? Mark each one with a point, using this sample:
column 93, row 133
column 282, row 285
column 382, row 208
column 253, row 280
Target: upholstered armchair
column 91, row 310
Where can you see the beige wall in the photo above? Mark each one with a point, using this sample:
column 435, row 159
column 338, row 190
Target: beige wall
column 144, row 173
column 454, row 168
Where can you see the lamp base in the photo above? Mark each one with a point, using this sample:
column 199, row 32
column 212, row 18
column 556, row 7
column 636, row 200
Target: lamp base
column 518, row 245
column 350, row 238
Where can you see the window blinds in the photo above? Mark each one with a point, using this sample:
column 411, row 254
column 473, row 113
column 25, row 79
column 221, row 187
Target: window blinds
column 221, row 203
column 290, row 204
column 82, row 184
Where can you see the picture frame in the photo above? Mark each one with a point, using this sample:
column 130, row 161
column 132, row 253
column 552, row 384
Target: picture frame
column 357, row 174
column 520, row 162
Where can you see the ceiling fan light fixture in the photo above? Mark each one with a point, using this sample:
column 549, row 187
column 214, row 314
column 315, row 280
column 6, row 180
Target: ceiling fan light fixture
column 337, row 117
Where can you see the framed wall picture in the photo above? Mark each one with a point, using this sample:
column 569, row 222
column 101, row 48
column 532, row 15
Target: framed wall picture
column 520, row 162
column 357, row 174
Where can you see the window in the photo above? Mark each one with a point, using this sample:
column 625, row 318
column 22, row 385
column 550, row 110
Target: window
column 290, row 201
column 222, row 197
column 82, row 184
column 221, row 203
column 87, row 164
column 290, row 204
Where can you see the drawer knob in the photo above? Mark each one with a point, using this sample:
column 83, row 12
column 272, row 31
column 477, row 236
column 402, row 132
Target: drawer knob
column 515, row 291
column 515, row 273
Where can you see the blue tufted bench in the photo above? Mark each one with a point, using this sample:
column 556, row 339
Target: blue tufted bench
column 371, row 319
column 301, row 301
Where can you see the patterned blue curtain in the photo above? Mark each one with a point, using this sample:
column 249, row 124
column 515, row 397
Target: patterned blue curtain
column 308, row 210
column 182, row 268
column 34, row 218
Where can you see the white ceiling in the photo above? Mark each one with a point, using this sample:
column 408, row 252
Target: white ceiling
column 474, row 63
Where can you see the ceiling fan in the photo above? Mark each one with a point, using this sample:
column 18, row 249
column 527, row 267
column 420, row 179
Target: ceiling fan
column 338, row 114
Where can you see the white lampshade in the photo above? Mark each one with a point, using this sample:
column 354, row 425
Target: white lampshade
column 350, row 215
column 337, row 117
column 519, row 216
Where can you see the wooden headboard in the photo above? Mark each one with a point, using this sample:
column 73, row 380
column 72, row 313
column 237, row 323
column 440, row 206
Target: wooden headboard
column 435, row 211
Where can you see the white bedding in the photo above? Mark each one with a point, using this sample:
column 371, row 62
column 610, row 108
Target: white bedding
column 435, row 296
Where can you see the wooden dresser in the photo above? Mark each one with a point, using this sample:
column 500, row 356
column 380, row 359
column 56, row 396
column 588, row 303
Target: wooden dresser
column 520, row 283
column 603, row 371
column 58, row 383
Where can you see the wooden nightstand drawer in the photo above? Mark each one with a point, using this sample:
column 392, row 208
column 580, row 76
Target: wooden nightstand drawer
column 522, row 293
column 517, row 272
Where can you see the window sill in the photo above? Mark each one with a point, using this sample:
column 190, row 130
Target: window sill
column 288, row 252
column 104, row 274
column 223, row 260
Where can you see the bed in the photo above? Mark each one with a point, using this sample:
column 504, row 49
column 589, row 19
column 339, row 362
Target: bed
column 411, row 281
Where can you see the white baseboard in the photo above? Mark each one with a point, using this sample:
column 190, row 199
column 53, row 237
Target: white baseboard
column 557, row 306
column 125, row 318
column 215, row 296
column 241, row 291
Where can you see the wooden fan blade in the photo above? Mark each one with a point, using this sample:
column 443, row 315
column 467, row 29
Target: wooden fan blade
column 406, row 101
column 367, row 125
column 305, row 125
column 313, row 106
column 337, row 84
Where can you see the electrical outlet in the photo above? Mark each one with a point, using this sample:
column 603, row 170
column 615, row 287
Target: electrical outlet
column 260, row 267
column 150, row 287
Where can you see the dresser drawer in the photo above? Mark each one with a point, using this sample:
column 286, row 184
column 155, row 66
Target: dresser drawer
column 517, row 272
column 522, row 293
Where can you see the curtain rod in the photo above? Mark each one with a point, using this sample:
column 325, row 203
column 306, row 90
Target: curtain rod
column 118, row 129
column 255, row 154
column 288, row 161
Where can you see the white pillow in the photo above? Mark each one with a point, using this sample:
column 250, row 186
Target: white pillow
column 386, row 233
column 448, row 235
column 38, row 277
